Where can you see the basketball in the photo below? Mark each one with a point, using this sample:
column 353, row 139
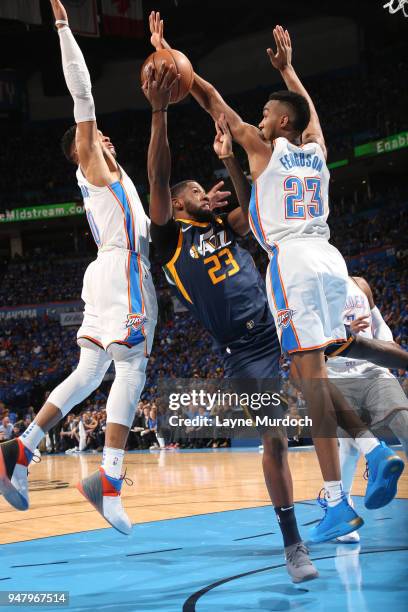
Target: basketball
column 182, row 66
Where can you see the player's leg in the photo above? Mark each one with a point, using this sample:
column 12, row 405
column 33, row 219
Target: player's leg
column 16, row 455
column 399, row 426
column 255, row 360
column 103, row 488
column 128, row 324
column 349, row 455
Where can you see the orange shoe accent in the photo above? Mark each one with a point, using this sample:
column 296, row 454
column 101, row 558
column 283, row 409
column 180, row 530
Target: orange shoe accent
column 22, row 458
column 107, row 486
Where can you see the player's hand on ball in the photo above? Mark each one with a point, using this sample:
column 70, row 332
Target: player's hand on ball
column 359, row 324
column 59, row 11
column 158, row 85
column 223, row 139
column 217, row 198
column 283, row 57
column 156, row 30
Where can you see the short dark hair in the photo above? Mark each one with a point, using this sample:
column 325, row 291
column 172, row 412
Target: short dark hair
column 178, row 188
column 67, row 141
column 298, row 104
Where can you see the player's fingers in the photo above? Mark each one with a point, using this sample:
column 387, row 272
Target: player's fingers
column 287, row 38
column 218, row 130
column 163, row 71
column 217, row 187
column 221, row 195
column 275, row 35
column 161, row 28
column 172, row 77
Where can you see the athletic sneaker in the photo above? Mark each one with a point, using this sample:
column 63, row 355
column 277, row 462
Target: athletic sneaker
column 103, row 492
column 14, row 461
column 353, row 537
column 338, row 520
column 383, row 469
column 299, row 566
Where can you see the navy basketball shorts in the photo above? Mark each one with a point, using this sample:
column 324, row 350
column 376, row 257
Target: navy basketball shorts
column 253, row 360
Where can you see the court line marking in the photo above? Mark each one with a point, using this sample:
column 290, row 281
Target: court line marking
column 38, row 564
column 260, row 535
column 152, row 552
column 190, row 603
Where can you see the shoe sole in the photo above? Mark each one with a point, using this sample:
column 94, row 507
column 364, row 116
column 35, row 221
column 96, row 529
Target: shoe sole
column 339, row 530
column 389, row 470
column 89, row 491
column 9, row 492
column 306, row 578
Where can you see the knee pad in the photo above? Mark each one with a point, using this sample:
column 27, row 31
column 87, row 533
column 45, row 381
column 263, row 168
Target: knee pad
column 87, row 377
column 125, row 392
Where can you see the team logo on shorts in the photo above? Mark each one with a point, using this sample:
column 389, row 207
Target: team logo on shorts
column 285, row 316
column 136, row 320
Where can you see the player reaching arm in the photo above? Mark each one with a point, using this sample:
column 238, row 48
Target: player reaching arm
column 97, row 162
column 282, row 61
column 157, row 89
column 238, row 218
column 247, row 135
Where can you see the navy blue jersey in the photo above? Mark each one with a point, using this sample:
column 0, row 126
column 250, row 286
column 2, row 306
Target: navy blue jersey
column 214, row 277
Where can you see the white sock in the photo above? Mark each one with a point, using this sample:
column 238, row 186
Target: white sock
column 366, row 442
column 112, row 461
column 349, row 455
column 334, row 490
column 32, row 436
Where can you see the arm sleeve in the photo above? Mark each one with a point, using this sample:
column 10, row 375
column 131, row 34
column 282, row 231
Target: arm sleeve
column 76, row 76
column 165, row 239
column 381, row 331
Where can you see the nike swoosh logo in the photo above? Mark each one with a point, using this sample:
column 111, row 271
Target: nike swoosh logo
column 290, row 508
column 184, row 229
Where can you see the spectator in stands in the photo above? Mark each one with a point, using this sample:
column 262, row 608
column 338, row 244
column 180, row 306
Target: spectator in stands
column 6, row 428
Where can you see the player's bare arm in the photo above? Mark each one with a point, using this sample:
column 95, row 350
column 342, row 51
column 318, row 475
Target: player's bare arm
column 238, row 218
column 99, row 166
column 281, row 60
column 157, row 89
column 245, row 134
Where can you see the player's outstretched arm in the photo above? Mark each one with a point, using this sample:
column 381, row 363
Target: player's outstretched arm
column 157, row 89
column 210, row 99
column 282, row 61
column 79, row 84
column 238, row 218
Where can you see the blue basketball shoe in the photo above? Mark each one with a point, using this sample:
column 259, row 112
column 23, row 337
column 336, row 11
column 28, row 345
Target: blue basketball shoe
column 384, row 468
column 338, row 521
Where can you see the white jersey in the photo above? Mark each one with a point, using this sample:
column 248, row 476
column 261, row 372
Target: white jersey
column 357, row 305
column 116, row 215
column 290, row 199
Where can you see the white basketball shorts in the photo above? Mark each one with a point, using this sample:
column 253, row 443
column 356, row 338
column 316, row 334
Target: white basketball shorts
column 120, row 301
column 306, row 285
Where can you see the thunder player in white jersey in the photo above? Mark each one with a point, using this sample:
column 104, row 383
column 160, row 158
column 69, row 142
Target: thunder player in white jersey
column 307, row 276
column 120, row 303
column 367, row 387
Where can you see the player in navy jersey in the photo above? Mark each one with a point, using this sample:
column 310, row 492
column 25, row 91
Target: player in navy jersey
column 216, row 279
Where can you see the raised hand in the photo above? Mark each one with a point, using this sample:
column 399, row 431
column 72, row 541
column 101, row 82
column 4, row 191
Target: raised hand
column 223, row 138
column 158, row 85
column 156, row 30
column 59, row 11
column 283, row 57
column 217, row 198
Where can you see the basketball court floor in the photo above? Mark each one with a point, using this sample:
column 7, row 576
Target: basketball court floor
column 205, row 539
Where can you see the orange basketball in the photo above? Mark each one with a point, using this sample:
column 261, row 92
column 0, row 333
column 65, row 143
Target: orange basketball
column 182, row 66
